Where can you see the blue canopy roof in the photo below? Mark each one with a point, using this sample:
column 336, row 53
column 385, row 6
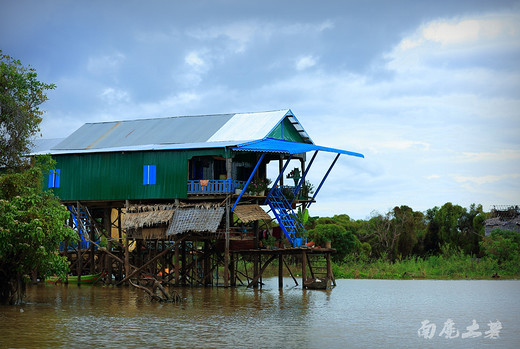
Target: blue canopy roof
column 279, row 146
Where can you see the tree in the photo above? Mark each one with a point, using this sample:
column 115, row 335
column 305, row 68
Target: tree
column 409, row 224
column 382, row 235
column 342, row 240
column 501, row 245
column 31, row 228
column 21, row 94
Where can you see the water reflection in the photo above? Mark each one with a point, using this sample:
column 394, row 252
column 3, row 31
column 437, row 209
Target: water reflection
column 362, row 313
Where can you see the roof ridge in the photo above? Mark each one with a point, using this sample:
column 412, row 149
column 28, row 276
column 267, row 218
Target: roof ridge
column 184, row 116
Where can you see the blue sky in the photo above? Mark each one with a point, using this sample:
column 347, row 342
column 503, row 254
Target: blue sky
column 429, row 92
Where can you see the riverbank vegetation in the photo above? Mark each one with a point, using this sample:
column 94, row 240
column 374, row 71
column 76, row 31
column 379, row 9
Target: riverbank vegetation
column 31, row 220
column 445, row 242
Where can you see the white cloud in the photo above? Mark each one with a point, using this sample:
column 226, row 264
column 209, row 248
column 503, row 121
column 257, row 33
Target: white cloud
column 112, row 95
column 502, row 155
column 487, row 179
column 452, row 40
column 473, row 30
column 105, row 63
column 241, row 34
column 194, row 60
column 305, row 62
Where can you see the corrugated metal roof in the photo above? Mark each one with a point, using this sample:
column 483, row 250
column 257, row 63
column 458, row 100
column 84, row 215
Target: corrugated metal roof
column 242, row 130
column 181, row 132
column 174, row 130
column 249, row 126
column 43, row 146
column 279, row 146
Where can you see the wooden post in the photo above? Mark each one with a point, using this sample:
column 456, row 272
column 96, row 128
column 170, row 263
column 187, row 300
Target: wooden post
column 256, row 256
column 127, row 257
column 304, row 267
column 330, row 275
column 176, row 263
column 107, row 220
column 232, row 271
column 226, row 249
column 120, row 234
column 183, row 263
column 207, row 264
column 280, row 270
column 228, row 218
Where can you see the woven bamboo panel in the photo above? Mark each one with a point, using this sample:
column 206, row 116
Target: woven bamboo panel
column 197, row 219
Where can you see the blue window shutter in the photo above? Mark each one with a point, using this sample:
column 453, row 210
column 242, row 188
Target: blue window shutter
column 57, row 178
column 51, row 179
column 145, row 174
column 151, row 174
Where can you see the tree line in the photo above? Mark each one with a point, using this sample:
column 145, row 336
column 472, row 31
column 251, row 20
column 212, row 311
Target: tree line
column 403, row 233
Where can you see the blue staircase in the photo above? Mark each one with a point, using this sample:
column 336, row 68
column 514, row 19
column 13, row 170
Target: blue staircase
column 82, row 224
column 285, row 216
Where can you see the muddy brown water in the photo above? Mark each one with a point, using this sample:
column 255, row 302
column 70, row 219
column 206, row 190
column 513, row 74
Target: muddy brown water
column 357, row 313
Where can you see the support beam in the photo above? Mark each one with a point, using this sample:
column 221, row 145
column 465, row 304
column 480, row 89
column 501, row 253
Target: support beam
column 280, row 175
column 248, row 181
column 176, row 263
column 129, row 275
column 259, row 275
column 304, row 267
column 127, row 261
column 302, row 180
column 226, row 247
column 324, row 178
column 280, row 270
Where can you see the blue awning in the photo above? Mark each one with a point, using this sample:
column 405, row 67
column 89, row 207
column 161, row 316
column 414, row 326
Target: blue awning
column 271, row 145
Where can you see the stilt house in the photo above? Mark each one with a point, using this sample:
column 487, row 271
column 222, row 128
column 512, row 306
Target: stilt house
column 195, row 178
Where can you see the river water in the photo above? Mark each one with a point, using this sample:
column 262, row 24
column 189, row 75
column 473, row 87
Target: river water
column 355, row 314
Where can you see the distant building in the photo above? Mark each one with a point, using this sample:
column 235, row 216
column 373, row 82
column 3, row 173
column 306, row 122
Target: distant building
column 504, row 218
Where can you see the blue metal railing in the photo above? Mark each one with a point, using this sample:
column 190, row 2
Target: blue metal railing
column 213, row 186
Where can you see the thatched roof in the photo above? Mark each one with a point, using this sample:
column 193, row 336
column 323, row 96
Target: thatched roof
column 139, row 216
column 248, row 213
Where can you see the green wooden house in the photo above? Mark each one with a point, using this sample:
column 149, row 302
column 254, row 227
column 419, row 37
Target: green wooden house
column 185, row 158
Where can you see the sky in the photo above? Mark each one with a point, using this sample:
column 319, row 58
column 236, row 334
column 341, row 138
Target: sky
column 428, row 91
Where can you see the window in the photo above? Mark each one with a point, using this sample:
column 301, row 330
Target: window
column 54, row 178
column 149, row 174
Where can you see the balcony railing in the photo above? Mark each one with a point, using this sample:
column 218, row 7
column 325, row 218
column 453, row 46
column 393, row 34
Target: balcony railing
column 213, row 186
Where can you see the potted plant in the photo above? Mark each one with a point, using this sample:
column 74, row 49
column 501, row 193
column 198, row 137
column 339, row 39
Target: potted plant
column 295, row 175
column 306, row 190
column 238, row 188
column 259, row 185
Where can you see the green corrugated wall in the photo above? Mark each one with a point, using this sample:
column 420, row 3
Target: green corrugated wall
column 286, row 131
column 119, row 176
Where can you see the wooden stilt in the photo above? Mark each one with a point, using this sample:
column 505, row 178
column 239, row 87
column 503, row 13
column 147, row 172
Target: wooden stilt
column 280, row 270
column 304, row 267
column 121, row 250
column 107, row 220
column 127, row 257
column 226, row 248
column 183, row 263
column 177, row 266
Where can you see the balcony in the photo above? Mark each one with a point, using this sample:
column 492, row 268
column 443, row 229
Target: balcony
column 214, row 186
column 226, row 186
